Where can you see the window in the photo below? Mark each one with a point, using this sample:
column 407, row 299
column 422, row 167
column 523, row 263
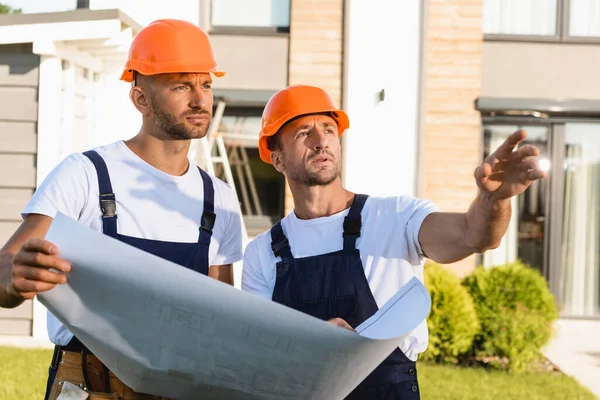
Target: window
column 579, row 280
column 525, row 237
column 584, row 18
column 555, row 225
column 251, row 13
column 520, row 17
column 260, row 188
column 548, row 20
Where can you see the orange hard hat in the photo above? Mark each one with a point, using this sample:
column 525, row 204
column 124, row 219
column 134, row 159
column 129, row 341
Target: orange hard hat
column 292, row 102
column 170, row 46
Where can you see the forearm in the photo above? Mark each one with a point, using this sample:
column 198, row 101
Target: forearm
column 8, row 299
column 223, row 273
column 450, row 237
column 486, row 222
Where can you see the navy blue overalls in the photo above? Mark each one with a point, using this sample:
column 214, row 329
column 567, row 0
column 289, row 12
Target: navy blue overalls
column 334, row 285
column 192, row 255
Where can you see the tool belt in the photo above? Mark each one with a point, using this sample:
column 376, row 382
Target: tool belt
column 76, row 364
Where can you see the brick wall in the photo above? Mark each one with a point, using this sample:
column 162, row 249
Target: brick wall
column 316, row 47
column 451, row 126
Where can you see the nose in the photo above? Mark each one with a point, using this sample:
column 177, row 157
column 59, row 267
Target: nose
column 197, row 99
column 321, row 140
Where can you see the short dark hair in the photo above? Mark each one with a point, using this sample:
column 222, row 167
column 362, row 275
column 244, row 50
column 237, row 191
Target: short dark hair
column 274, row 142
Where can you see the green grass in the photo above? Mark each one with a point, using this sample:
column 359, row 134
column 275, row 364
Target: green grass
column 23, row 375
column 454, row 383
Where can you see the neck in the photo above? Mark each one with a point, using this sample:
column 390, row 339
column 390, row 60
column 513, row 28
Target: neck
column 320, row 201
column 169, row 156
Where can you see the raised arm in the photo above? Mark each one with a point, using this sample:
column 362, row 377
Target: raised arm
column 450, row 237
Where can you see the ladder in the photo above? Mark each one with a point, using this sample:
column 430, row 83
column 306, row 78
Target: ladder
column 207, row 145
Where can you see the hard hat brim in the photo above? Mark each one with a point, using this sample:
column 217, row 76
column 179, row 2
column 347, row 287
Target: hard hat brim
column 340, row 117
column 127, row 74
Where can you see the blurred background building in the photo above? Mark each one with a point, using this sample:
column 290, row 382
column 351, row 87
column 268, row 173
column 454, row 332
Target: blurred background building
column 431, row 87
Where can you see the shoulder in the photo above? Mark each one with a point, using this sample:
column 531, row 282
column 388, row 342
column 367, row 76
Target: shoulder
column 259, row 248
column 221, row 187
column 224, row 193
column 108, row 153
column 404, row 204
column 259, row 244
column 73, row 169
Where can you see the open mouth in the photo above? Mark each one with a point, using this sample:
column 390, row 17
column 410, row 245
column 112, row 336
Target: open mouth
column 321, row 160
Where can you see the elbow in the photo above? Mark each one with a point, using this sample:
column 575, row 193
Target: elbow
column 490, row 245
column 494, row 245
column 481, row 240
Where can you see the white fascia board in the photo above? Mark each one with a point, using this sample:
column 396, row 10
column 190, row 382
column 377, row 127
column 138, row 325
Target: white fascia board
column 69, row 53
column 60, row 31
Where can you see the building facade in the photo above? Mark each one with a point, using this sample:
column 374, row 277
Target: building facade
column 431, row 88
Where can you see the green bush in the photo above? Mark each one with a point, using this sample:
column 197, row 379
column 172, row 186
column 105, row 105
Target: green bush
column 452, row 321
column 515, row 310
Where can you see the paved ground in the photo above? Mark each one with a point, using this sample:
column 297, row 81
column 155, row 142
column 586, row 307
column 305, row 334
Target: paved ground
column 576, row 351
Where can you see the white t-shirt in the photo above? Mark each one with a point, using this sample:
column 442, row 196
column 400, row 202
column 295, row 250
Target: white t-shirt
column 151, row 204
column 389, row 249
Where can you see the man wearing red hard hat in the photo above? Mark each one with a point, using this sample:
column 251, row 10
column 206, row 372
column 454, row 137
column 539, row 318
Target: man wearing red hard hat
column 339, row 256
column 144, row 191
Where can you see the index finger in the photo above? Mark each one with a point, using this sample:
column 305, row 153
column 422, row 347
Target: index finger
column 510, row 143
column 40, row 245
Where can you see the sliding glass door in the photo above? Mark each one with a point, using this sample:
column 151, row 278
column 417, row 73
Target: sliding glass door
column 555, row 225
column 579, row 282
column 525, row 236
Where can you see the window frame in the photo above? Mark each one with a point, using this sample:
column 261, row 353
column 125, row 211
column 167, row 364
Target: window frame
column 563, row 10
column 554, row 209
column 246, row 30
column 256, row 112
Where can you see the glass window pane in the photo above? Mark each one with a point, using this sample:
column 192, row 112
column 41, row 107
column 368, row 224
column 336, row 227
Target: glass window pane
column 251, row 13
column 584, row 18
column 41, row 6
column 520, row 17
column 260, row 187
column 580, row 273
column 524, row 238
column 240, row 130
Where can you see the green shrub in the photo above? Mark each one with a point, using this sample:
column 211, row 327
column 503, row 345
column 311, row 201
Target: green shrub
column 515, row 310
column 452, row 321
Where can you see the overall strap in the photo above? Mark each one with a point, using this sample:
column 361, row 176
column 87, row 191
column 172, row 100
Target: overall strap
column 108, row 204
column 208, row 214
column 279, row 243
column 353, row 222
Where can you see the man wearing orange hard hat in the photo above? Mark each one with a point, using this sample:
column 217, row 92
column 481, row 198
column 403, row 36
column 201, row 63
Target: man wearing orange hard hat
column 144, row 191
column 339, row 256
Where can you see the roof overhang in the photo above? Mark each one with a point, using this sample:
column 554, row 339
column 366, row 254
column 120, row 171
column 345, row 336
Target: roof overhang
column 90, row 36
column 537, row 108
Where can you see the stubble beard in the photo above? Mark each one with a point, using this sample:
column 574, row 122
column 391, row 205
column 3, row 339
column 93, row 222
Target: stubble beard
column 173, row 129
column 304, row 177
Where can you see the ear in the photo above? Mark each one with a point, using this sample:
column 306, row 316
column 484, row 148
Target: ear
column 277, row 161
column 140, row 99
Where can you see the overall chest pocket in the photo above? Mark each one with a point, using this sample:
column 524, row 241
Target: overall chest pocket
column 326, row 286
